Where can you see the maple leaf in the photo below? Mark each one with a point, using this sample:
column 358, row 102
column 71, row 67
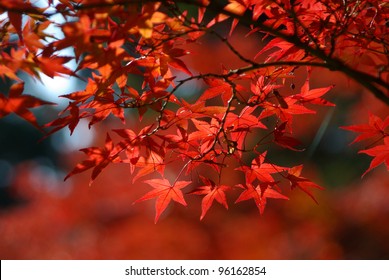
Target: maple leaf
column 239, row 126
column 312, row 96
column 147, row 165
column 98, row 159
column 302, row 183
column 148, row 18
column 206, row 134
column 284, row 140
column 286, row 50
column 6, row 71
column 285, row 111
column 82, row 96
column 132, row 145
column 164, row 192
column 53, row 66
column 262, row 89
column 259, row 194
column 104, row 106
column 198, row 110
column 212, row 192
column 376, row 127
column 19, row 104
column 134, row 100
column 261, row 170
column 209, row 159
column 169, row 57
column 71, row 120
column 380, row 154
column 179, row 140
column 234, row 7
column 218, row 87
column 33, row 35
column 244, row 121
column 16, row 21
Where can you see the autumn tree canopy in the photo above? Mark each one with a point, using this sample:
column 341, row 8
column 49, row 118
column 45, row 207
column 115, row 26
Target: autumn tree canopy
column 238, row 115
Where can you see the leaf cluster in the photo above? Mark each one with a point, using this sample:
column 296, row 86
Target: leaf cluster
column 239, row 113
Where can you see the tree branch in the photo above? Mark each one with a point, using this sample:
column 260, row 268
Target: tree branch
column 366, row 80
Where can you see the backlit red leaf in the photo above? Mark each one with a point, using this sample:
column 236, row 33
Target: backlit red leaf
column 260, row 170
column 20, row 104
column 376, row 127
column 296, row 180
column 164, row 192
column 380, row 154
column 98, row 159
column 259, row 194
column 212, row 192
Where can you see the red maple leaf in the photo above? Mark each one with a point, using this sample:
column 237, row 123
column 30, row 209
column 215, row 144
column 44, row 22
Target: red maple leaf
column 147, row 165
column 177, row 141
column 239, row 126
column 98, row 159
column 206, row 134
column 54, row 65
column 81, row 33
column 169, row 58
column 71, row 120
column 376, row 127
column 82, row 96
column 218, row 87
column 212, row 192
column 208, row 159
column 104, row 106
column 285, row 110
column 15, row 17
column 234, row 7
column 132, row 142
column 287, row 51
column 164, row 192
column 262, row 89
column 136, row 145
column 312, row 96
column 260, row 194
column 302, row 183
column 284, row 140
column 244, row 121
column 19, row 104
column 197, row 110
column 261, row 170
column 380, row 154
